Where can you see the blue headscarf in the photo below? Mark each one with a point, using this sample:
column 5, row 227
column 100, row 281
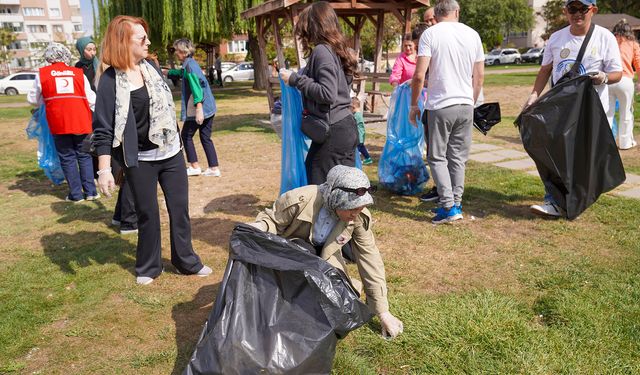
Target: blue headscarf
column 81, row 44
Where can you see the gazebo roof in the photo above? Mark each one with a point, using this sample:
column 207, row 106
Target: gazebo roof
column 344, row 7
column 609, row 20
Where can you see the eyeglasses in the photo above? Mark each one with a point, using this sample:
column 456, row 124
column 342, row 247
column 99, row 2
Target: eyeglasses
column 142, row 40
column 358, row 191
column 578, row 9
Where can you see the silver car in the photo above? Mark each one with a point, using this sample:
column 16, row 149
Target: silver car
column 240, row 72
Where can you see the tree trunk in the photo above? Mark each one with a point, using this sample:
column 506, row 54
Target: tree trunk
column 260, row 76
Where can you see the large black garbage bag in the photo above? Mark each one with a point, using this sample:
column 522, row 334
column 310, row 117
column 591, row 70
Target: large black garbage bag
column 279, row 309
column 486, row 116
column 567, row 134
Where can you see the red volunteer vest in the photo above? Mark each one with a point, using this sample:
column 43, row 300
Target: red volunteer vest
column 66, row 105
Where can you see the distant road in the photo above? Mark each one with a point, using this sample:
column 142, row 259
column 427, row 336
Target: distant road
column 532, row 69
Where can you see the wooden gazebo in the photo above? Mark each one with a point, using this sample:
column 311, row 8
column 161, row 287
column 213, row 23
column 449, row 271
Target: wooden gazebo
column 274, row 14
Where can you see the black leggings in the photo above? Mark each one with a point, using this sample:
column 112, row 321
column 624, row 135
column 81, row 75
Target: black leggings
column 338, row 149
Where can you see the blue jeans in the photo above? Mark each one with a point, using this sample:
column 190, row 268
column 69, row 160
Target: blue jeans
column 77, row 166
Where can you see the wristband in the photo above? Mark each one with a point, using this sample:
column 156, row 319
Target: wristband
column 103, row 171
column 606, row 79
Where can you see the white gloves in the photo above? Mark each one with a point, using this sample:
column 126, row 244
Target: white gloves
column 599, row 78
column 391, row 326
column 285, row 74
column 106, row 182
column 530, row 100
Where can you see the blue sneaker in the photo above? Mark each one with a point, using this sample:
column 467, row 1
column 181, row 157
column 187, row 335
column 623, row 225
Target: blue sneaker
column 459, row 208
column 444, row 215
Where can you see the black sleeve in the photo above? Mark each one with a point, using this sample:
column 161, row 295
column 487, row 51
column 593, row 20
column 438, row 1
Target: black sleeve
column 105, row 112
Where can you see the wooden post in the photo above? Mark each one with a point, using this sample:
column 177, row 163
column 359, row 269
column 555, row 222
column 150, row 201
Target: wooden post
column 378, row 55
column 357, row 45
column 407, row 20
column 299, row 52
column 262, row 46
column 277, row 40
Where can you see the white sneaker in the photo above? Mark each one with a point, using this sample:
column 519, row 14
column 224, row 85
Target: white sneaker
column 194, row 171
column 547, row 209
column 212, row 172
column 93, row 197
column 205, row 271
column 143, row 280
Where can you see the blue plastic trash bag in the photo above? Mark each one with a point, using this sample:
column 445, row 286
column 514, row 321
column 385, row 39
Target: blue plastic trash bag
column 295, row 145
column 401, row 168
column 47, row 154
column 614, row 125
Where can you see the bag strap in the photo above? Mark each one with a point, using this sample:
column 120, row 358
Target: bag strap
column 583, row 47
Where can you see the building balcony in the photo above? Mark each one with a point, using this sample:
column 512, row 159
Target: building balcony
column 13, row 17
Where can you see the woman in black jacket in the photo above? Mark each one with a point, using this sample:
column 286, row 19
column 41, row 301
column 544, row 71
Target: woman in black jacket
column 135, row 122
column 325, row 84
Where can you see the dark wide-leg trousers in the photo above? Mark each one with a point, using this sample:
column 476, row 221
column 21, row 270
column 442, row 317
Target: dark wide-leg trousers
column 172, row 176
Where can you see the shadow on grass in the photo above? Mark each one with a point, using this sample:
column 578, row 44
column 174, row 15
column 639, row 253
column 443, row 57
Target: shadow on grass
column 85, row 248
column 237, row 204
column 35, row 183
column 189, row 318
column 91, row 212
column 216, row 231
column 252, row 122
column 477, row 201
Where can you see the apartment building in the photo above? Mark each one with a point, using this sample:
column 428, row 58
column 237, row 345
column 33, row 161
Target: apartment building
column 533, row 37
column 36, row 23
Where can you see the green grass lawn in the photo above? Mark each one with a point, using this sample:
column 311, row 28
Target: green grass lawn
column 13, row 99
column 503, row 292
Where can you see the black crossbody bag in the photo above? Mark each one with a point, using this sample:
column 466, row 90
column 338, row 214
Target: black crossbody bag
column 315, row 127
column 574, row 71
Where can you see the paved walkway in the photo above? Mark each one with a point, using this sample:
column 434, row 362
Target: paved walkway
column 516, row 159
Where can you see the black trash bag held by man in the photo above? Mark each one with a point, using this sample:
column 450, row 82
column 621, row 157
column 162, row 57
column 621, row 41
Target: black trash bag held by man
column 567, row 135
column 279, row 309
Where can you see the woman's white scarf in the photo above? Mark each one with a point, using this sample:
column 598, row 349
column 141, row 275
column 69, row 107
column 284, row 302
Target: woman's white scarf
column 163, row 127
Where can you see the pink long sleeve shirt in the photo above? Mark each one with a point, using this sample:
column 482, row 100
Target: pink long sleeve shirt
column 402, row 69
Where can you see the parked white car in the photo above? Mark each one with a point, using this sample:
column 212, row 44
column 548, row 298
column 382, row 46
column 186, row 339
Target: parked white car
column 17, row 83
column 240, row 72
column 503, row 56
column 366, row 66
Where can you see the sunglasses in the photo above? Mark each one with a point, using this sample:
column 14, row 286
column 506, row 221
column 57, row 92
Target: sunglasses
column 142, row 40
column 359, row 191
column 578, row 9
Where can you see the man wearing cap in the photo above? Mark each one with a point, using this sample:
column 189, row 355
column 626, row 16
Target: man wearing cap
column 601, row 60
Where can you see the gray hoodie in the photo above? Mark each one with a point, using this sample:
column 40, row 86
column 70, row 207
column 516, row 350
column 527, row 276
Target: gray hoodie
column 325, row 88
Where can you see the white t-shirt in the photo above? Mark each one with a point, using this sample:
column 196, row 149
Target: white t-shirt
column 602, row 54
column 453, row 48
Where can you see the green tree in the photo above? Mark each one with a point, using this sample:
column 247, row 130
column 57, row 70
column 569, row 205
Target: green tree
column 630, row 7
column 553, row 16
column 495, row 19
column 202, row 21
column 7, row 36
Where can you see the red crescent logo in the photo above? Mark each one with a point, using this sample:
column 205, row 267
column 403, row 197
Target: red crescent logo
column 66, row 82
